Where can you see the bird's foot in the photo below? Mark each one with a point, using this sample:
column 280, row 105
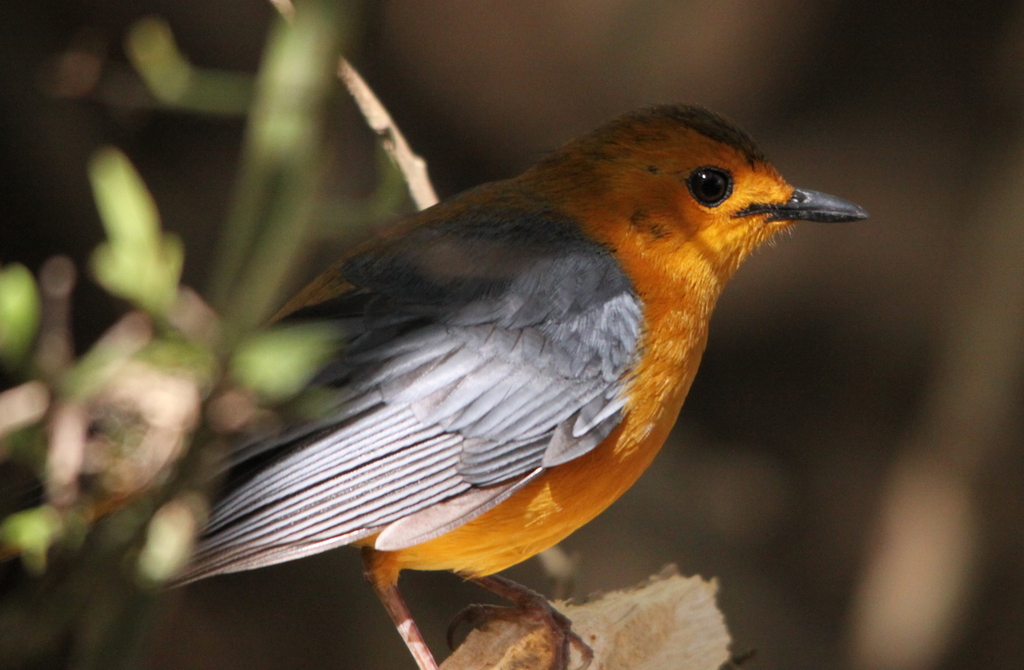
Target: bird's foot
column 528, row 606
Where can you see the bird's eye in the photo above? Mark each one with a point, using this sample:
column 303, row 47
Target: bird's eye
column 710, row 186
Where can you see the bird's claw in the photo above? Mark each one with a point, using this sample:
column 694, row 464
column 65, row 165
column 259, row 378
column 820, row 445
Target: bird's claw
column 475, row 616
column 559, row 626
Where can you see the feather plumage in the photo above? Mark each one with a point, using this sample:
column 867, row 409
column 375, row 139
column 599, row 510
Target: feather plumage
column 484, row 348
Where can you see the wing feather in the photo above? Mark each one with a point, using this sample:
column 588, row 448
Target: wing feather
column 484, row 348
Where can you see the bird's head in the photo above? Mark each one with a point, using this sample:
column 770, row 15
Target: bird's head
column 674, row 189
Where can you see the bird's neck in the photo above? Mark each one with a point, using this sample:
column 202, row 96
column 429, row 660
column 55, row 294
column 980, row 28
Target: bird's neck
column 676, row 311
column 678, row 291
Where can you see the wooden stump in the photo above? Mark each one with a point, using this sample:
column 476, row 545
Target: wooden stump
column 667, row 623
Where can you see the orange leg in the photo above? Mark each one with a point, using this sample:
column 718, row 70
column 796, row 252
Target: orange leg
column 400, row 615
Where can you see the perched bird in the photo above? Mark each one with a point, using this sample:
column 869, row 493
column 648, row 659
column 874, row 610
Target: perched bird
column 515, row 358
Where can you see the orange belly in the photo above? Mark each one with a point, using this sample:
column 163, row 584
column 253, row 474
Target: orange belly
column 542, row 514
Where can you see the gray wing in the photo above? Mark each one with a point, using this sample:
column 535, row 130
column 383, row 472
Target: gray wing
column 483, row 350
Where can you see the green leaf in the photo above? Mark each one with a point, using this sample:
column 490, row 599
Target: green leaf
column 169, row 539
column 151, row 48
column 128, row 211
column 197, row 361
column 174, row 81
column 19, row 314
column 279, row 362
column 138, row 262
column 32, row 532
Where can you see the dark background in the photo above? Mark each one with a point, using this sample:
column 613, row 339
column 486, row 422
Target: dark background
column 848, row 462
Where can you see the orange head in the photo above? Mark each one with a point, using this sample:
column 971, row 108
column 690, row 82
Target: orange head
column 677, row 190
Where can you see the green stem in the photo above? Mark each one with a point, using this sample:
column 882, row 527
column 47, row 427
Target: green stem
column 282, row 162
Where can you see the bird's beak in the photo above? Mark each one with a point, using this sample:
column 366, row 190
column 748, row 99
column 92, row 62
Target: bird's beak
column 807, row 205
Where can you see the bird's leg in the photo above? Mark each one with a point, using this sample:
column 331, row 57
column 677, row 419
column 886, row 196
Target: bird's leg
column 527, row 604
column 400, row 615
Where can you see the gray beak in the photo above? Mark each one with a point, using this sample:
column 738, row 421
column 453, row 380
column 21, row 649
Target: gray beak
column 807, row 205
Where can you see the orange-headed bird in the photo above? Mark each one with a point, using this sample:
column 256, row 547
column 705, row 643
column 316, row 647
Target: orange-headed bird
column 515, row 358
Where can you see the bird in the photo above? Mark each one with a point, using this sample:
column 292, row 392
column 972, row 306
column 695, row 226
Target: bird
column 514, row 358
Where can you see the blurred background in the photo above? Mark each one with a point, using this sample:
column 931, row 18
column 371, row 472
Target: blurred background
column 848, row 464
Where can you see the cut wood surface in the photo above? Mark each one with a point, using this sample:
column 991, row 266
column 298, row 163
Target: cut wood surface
column 668, row 622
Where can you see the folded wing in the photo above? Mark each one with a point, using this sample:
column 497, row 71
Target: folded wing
column 483, row 348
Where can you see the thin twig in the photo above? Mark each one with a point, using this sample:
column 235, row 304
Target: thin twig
column 64, row 459
column 413, row 167
column 22, row 406
column 285, row 8
column 56, row 281
column 562, row 568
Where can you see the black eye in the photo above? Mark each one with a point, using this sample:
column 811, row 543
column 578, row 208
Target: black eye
column 710, row 186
